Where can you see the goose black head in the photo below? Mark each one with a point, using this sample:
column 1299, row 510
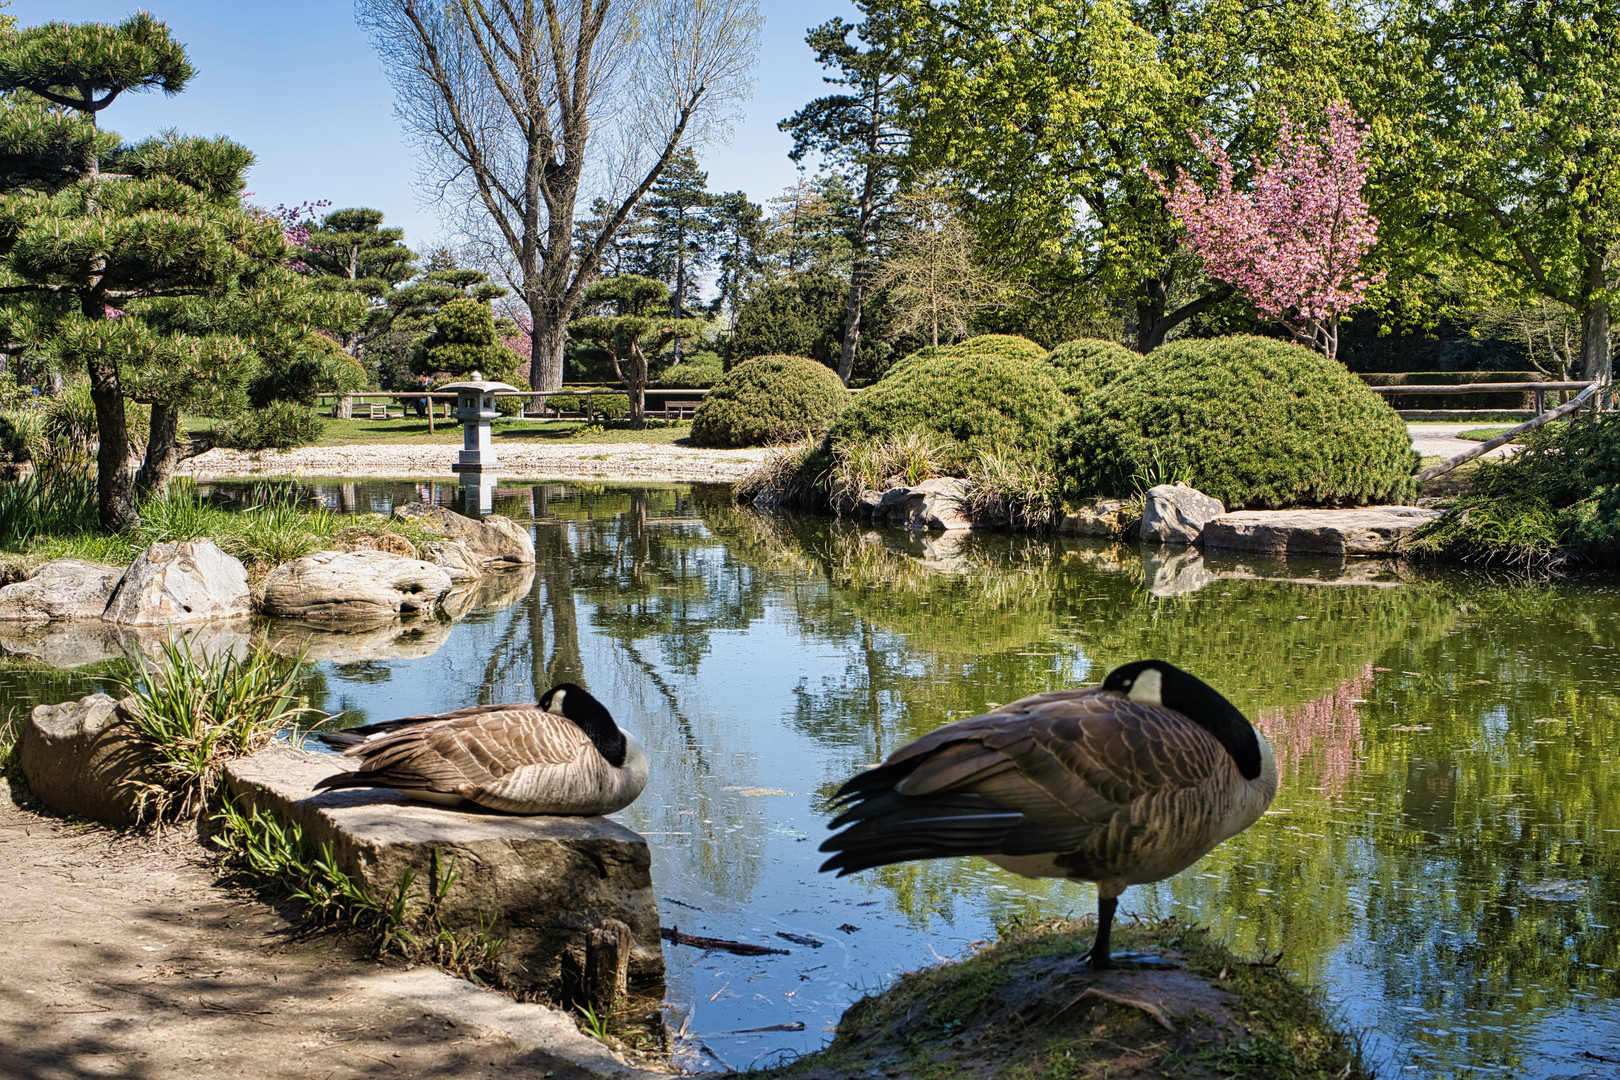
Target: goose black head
column 574, row 703
column 1156, row 682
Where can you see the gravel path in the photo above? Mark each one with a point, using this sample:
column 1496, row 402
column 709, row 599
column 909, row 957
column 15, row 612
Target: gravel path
column 1430, row 440
column 541, row 461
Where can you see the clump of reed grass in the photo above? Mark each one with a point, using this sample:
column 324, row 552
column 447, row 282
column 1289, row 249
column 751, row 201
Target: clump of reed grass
column 904, row 458
column 1009, row 489
column 196, row 711
column 793, row 476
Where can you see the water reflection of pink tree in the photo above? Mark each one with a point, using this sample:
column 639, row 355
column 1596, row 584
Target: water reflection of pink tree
column 1325, row 731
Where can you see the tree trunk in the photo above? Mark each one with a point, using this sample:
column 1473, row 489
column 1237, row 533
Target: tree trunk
column 852, row 322
column 162, row 452
column 635, row 385
column 1596, row 362
column 115, row 504
column 545, row 348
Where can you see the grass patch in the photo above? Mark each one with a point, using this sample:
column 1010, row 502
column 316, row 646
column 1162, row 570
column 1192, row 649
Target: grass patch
column 404, row 921
column 1484, row 434
column 1027, row 1008
column 196, row 712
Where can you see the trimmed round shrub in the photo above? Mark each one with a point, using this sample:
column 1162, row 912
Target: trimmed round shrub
column 1003, row 346
column 611, row 406
column 1090, row 364
column 978, row 401
column 1252, row 421
column 280, row 425
column 769, row 399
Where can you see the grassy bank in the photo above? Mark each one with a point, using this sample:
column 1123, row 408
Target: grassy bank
column 55, row 518
column 1028, row 1008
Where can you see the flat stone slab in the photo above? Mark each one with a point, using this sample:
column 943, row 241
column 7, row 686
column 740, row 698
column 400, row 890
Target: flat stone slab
column 540, row 883
column 1365, row 530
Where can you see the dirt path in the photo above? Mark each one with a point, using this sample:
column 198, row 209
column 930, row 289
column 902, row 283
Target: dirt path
column 549, row 461
column 122, row 957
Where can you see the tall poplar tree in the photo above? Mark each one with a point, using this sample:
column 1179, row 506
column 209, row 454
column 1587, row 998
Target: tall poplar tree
column 138, row 264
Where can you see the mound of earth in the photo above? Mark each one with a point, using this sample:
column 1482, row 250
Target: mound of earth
column 1030, row 1006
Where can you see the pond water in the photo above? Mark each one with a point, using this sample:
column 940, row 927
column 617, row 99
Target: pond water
column 1443, row 857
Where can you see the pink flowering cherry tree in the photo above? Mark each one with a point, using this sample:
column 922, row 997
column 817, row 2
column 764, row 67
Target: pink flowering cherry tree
column 1294, row 244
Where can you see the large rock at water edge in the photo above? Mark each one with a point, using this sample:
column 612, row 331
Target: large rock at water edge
column 455, row 558
column 1365, row 530
column 936, row 503
column 353, row 585
column 540, row 883
column 495, row 540
column 60, row 589
column 1177, row 514
column 189, row 581
column 1098, row 517
column 83, row 758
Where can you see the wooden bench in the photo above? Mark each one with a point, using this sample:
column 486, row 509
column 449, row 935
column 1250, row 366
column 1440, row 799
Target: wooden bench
column 680, row 410
column 379, row 412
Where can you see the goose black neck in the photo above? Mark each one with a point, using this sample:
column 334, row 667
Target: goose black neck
column 592, row 717
column 1204, row 706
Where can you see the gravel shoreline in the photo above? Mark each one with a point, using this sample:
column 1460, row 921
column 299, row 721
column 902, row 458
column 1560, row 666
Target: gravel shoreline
column 538, row 461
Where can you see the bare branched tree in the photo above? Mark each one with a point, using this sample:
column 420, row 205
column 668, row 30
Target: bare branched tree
column 932, row 275
column 521, row 108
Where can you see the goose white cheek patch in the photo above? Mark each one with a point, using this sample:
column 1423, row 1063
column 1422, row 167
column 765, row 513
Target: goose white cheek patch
column 1148, row 688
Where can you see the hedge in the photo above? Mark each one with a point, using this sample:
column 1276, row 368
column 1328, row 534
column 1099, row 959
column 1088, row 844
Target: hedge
column 980, row 400
column 769, row 399
column 1252, row 421
column 1090, row 364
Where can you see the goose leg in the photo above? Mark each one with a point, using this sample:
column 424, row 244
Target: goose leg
column 1101, row 956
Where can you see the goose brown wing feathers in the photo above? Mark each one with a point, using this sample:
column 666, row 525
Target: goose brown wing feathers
column 1047, row 773
column 467, row 751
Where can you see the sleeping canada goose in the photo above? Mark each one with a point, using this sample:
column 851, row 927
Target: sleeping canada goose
column 563, row 756
column 1127, row 783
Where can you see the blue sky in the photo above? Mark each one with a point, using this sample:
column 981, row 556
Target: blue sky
column 297, row 83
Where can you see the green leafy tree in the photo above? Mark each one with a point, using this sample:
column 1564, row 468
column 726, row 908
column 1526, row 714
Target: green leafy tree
column 413, row 308
column 1052, row 113
column 1503, row 132
column 139, row 264
column 633, row 324
column 932, row 274
column 858, row 134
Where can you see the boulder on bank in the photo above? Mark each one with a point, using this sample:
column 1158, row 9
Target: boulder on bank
column 496, row 540
column 60, row 589
column 541, row 883
column 1366, row 530
column 183, row 582
column 353, row 585
column 84, row 758
column 1177, row 514
column 936, row 503
column 1097, row 517
column 455, row 558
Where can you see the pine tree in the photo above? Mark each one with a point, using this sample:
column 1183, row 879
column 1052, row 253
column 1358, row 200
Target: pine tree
column 350, row 251
column 739, row 234
column 859, row 137
column 139, row 263
column 672, row 232
column 630, row 327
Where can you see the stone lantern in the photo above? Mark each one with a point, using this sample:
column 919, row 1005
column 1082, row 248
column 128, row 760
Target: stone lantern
column 475, row 408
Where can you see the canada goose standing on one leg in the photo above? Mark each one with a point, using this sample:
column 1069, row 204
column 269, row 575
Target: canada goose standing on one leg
column 1123, row 784
column 562, row 756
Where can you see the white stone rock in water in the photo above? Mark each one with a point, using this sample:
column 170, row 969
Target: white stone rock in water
column 1177, row 514
column 455, row 558
column 60, row 589
column 77, row 757
column 353, row 585
column 540, row 883
column 171, row 583
column 494, row 540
